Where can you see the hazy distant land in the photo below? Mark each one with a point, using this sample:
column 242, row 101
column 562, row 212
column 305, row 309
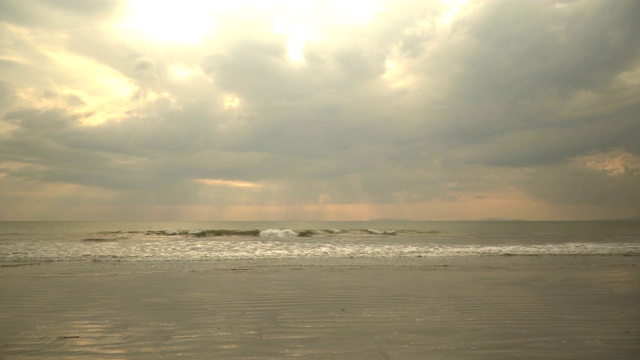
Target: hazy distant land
column 389, row 220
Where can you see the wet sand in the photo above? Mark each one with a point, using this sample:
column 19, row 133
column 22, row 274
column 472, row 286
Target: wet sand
column 485, row 308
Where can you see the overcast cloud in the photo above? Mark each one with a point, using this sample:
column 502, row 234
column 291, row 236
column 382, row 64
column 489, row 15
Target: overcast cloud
column 317, row 110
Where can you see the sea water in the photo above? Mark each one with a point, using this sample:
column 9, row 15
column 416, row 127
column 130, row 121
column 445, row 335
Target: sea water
column 209, row 241
column 320, row 290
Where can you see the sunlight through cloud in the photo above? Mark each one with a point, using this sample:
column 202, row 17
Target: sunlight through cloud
column 229, row 183
column 296, row 35
column 322, row 108
column 448, row 18
column 301, row 21
column 395, row 75
column 613, row 163
column 231, row 102
column 184, row 22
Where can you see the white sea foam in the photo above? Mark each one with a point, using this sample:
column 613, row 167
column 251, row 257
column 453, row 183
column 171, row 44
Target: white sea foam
column 125, row 242
column 274, row 248
column 380, row 232
column 278, row 233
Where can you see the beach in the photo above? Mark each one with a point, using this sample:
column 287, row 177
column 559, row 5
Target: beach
column 500, row 307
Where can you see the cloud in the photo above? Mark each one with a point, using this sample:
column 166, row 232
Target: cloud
column 388, row 105
column 59, row 15
column 6, row 93
column 614, row 163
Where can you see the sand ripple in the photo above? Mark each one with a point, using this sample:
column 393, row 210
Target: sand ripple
column 312, row 312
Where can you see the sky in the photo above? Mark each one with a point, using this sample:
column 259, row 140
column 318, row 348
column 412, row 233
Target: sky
column 319, row 110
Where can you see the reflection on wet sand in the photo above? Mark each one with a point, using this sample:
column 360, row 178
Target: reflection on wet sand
column 459, row 311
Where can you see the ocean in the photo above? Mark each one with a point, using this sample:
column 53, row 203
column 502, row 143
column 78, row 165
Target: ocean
column 320, row 290
column 173, row 241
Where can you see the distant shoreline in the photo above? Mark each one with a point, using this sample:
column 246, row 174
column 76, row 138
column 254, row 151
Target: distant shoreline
column 389, row 220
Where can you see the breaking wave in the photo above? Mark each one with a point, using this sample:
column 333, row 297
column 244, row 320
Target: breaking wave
column 278, row 233
column 288, row 241
column 255, row 232
column 276, row 244
column 291, row 233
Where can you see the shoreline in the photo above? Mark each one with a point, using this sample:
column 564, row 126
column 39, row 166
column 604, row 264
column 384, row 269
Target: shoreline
column 50, row 267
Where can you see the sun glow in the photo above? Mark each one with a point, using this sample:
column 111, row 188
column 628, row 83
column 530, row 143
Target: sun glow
column 297, row 37
column 98, row 93
column 613, row 163
column 182, row 22
column 449, row 16
column 361, row 11
column 231, row 102
column 395, row 75
column 303, row 21
column 183, row 71
column 229, row 183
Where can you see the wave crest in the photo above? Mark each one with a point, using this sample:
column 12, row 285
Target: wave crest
column 278, row 233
